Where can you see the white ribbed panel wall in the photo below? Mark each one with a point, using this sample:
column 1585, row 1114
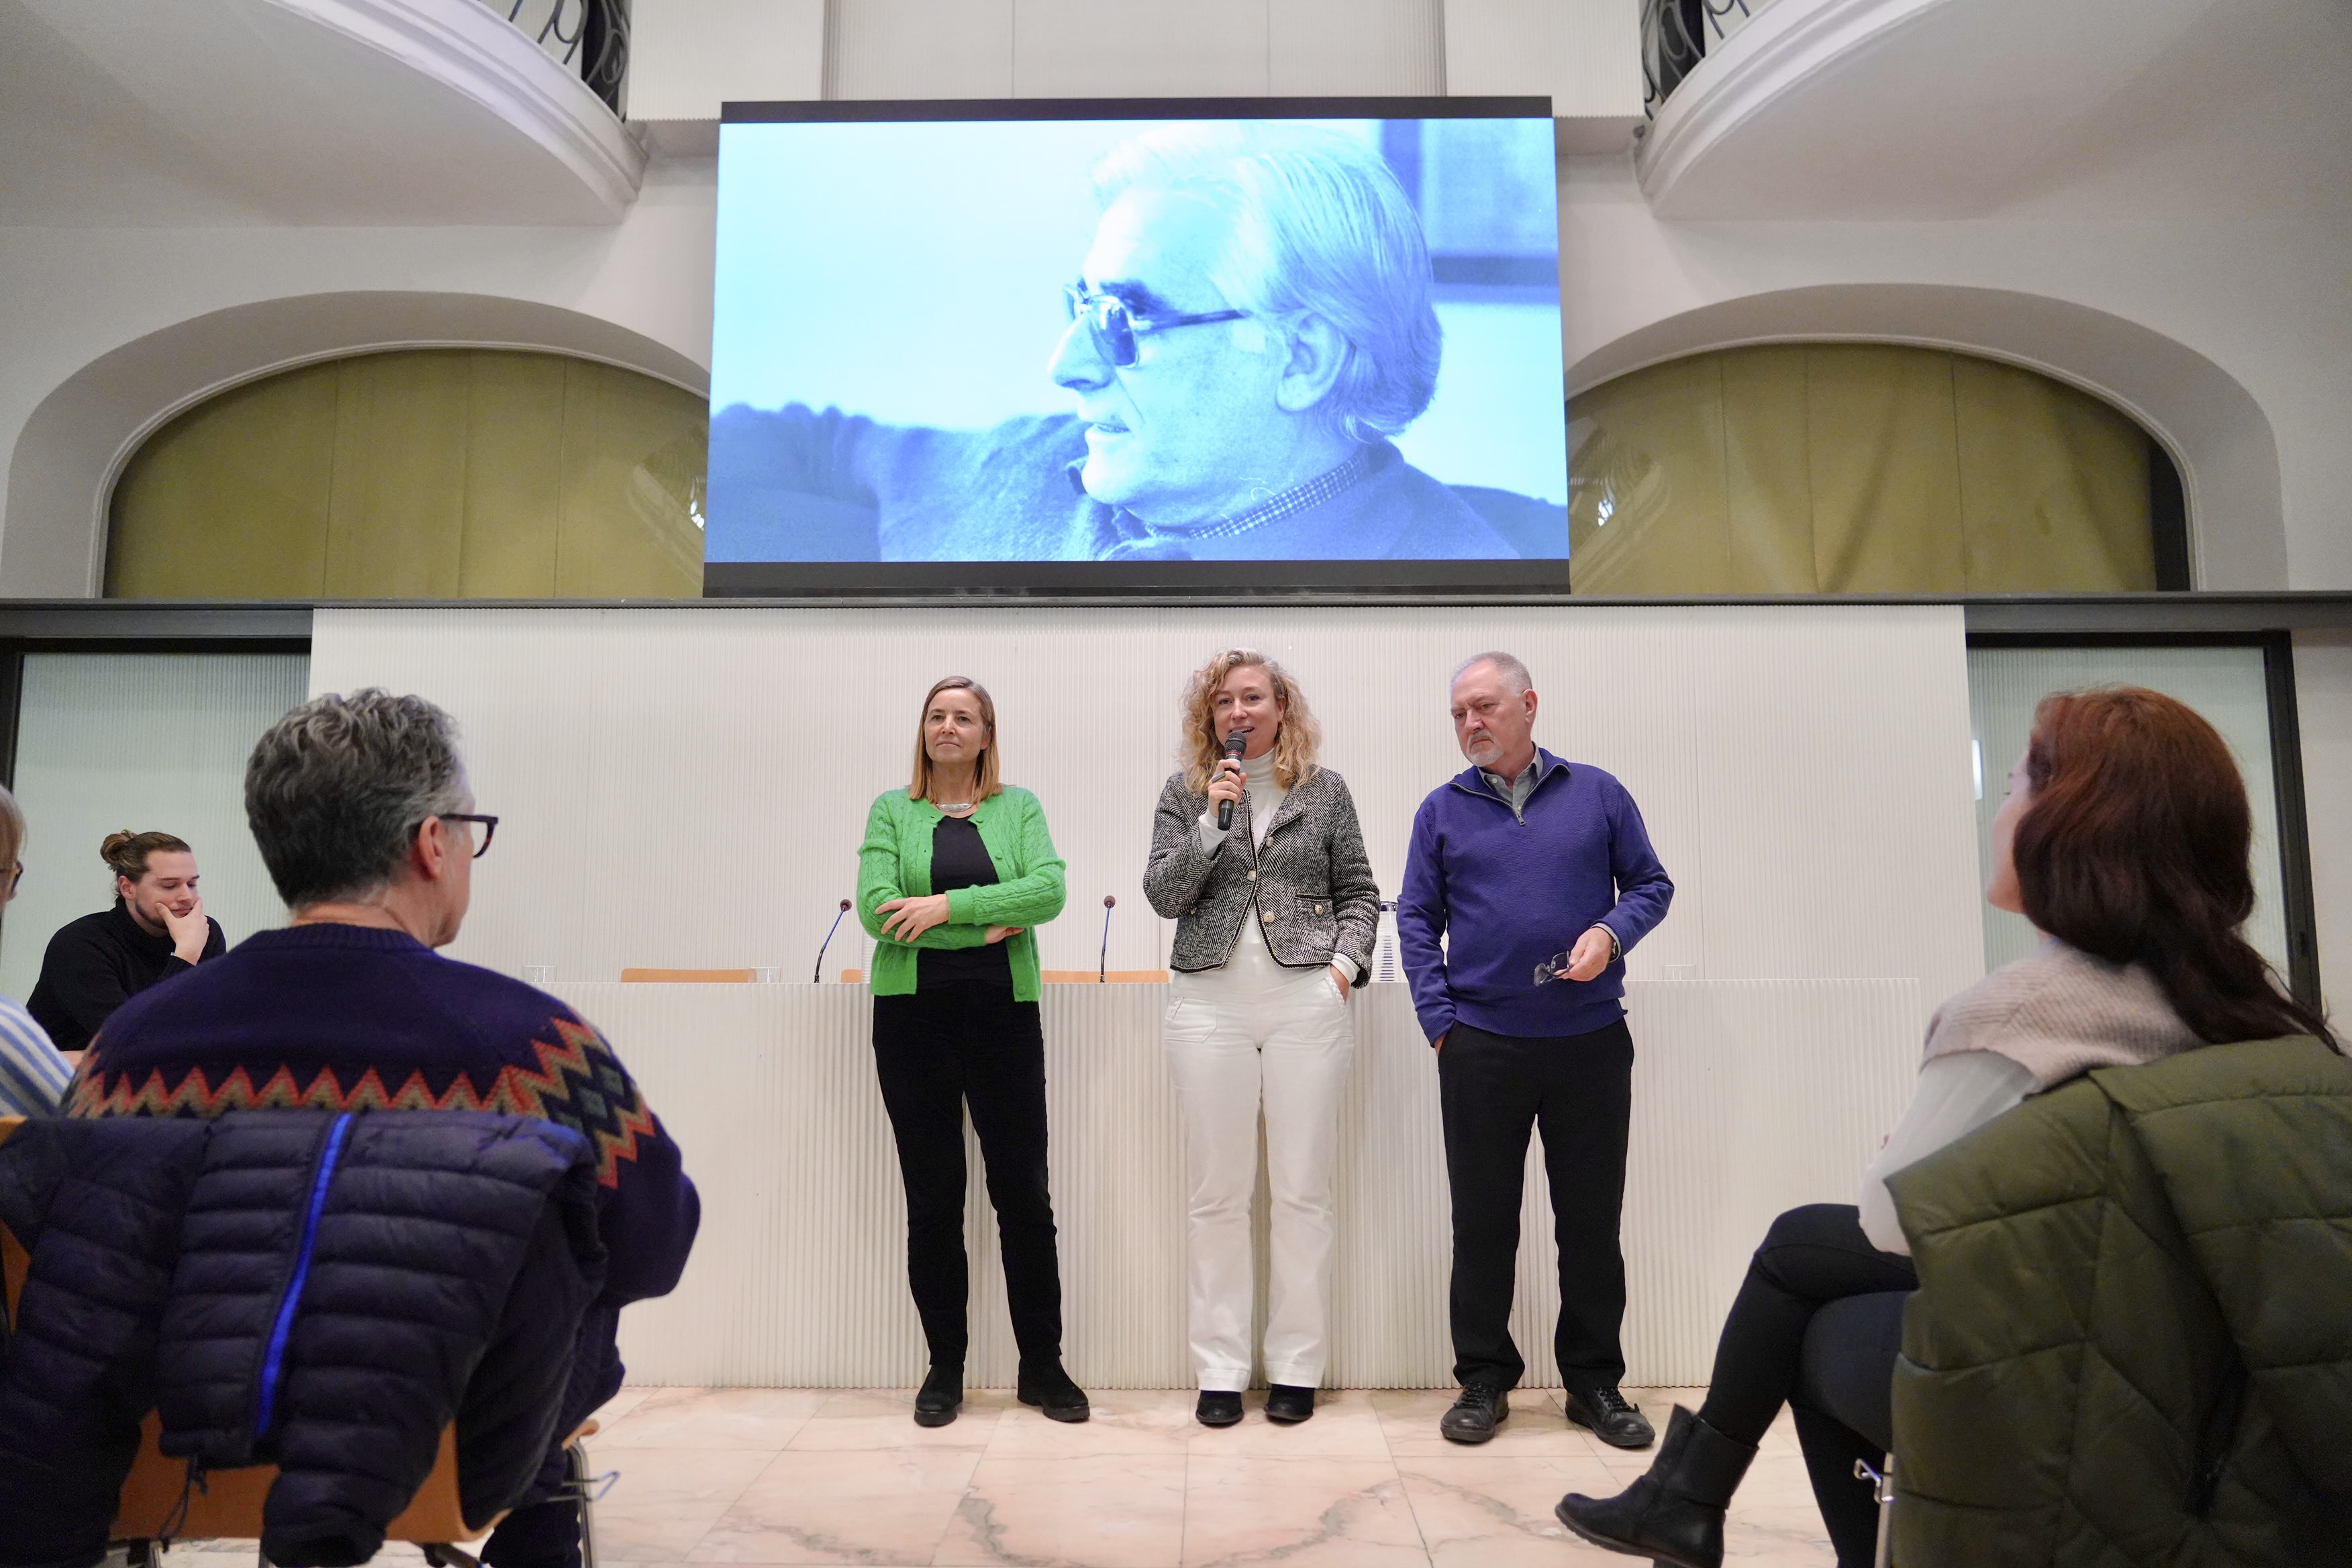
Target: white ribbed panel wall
column 110, row 741
column 1749, row 1097
column 686, row 787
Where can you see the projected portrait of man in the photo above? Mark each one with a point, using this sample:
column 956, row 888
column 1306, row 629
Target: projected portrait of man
column 1249, row 327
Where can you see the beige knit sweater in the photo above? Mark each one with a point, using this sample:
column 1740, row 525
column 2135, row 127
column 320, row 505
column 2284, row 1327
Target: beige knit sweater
column 2062, row 1013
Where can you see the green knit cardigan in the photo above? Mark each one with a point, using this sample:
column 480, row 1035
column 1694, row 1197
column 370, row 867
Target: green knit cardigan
column 895, row 862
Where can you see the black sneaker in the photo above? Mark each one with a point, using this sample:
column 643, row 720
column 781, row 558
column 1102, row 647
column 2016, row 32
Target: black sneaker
column 1612, row 1416
column 1289, row 1404
column 1218, row 1407
column 942, row 1392
column 1049, row 1388
column 1474, row 1416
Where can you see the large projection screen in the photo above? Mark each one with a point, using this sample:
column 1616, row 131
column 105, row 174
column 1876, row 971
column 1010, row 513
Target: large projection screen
column 1174, row 344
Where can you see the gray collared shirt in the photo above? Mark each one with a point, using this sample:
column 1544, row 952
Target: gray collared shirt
column 1517, row 790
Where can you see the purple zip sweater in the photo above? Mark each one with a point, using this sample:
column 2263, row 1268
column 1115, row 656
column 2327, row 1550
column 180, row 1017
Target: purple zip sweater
column 1513, row 891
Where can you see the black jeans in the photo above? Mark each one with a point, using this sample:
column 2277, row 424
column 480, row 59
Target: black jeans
column 936, row 1051
column 1579, row 1089
column 1817, row 1325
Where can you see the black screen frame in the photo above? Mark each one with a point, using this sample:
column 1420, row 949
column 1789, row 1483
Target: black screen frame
column 885, row 580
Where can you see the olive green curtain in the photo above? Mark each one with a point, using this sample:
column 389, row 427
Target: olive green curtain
column 1853, row 469
column 431, row 474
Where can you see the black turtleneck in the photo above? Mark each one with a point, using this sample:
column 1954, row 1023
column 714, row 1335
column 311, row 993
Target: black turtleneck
column 97, row 963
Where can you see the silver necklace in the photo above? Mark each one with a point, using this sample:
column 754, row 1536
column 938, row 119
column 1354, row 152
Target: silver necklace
column 952, row 807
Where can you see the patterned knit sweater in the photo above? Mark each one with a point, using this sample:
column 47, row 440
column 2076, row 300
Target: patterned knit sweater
column 354, row 1018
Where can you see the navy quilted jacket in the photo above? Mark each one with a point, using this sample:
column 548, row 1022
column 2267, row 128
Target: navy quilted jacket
column 323, row 1292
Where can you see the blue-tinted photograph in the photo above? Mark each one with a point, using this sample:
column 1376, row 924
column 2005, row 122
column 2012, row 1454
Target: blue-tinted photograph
column 1034, row 341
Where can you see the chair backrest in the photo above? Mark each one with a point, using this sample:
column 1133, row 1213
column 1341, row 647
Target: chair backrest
column 230, row 1503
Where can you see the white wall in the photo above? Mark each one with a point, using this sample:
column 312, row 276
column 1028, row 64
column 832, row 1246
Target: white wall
column 688, row 788
column 2271, row 303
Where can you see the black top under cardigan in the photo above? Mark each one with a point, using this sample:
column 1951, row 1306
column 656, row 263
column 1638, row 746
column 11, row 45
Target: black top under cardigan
column 960, row 860
column 98, row 963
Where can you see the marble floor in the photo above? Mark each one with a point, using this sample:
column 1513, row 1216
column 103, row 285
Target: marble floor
column 817, row 1476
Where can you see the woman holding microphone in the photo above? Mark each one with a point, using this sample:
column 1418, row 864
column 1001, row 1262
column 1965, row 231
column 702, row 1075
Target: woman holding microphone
column 1257, row 855
column 955, row 870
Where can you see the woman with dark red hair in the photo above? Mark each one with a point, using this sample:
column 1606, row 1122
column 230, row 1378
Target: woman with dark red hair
column 2125, row 839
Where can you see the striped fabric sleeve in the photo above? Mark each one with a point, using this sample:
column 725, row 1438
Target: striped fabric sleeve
column 32, row 1076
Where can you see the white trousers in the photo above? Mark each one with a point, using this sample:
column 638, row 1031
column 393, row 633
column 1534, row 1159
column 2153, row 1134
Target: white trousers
column 1255, row 1034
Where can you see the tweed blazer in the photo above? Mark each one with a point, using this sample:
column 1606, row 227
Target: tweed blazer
column 1309, row 885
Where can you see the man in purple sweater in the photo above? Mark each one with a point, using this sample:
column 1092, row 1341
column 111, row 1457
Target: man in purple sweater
column 362, row 811
column 1539, row 876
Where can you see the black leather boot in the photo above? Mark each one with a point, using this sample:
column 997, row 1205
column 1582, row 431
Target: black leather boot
column 1675, row 1514
column 1045, row 1385
column 1289, row 1404
column 1216, row 1408
column 936, row 1401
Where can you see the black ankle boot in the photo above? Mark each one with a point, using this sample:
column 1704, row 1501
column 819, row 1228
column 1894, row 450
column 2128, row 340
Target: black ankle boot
column 1675, row 1514
column 1289, row 1404
column 936, row 1401
column 1045, row 1385
column 1218, row 1407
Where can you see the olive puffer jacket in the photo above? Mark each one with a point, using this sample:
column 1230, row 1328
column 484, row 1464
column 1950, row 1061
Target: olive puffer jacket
column 2131, row 1342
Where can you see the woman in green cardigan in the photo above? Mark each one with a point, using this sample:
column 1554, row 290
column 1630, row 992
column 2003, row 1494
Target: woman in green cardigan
column 955, row 870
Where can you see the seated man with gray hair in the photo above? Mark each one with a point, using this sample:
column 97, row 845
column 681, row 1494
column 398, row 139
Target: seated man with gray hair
column 362, row 811
column 1250, row 324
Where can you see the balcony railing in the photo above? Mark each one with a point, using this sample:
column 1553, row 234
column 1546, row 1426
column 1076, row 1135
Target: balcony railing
column 591, row 37
column 1675, row 35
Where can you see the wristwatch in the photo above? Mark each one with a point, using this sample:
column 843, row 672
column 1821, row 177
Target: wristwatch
column 1616, row 948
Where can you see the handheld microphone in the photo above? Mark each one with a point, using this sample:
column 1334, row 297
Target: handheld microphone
column 819, row 972
column 1234, row 744
column 1102, row 966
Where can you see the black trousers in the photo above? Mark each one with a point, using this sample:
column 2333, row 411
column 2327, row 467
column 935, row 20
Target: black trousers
column 1579, row 1089
column 1816, row 1326
column 937, row 1051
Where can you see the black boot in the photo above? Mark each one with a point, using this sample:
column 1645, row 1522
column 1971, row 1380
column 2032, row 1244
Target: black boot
column 1289, row 1404
column 1673, row 1515
column 1045, row 1385
column 1217, row 1407
column 936, row 1401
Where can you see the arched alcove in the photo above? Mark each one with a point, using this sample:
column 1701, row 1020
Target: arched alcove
column 419, row 474
column 1863, row 468
column 2217, row 434
column 62, row 472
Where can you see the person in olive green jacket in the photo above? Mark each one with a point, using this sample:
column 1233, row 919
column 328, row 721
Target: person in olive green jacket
column 955, row 871
column 2125, row 839
column 2178, row 1394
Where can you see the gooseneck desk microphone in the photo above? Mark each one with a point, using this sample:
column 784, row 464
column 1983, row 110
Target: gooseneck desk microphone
column 819, row 973
column 1102, row 965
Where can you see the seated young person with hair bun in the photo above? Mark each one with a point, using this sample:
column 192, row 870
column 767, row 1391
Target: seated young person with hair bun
column 156, row 929
column 2126, row 840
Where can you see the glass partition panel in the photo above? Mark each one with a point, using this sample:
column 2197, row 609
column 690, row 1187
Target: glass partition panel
column 2225, row 684
column 141, row 742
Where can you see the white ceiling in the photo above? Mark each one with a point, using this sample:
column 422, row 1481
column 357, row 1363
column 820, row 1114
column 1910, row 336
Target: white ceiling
column 205, row 112
column 1953, row 109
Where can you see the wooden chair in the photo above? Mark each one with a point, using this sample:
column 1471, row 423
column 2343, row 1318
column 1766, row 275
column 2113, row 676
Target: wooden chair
column 229, row 1505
